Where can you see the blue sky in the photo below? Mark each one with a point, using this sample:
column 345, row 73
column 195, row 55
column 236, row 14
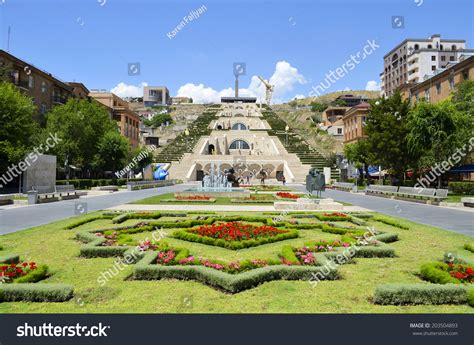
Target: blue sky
column 93, row 43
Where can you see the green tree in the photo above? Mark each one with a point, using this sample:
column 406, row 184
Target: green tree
column 157, row 120
column 81, row 124
column 358, row 153
column 17, row 128
column 143, row 156
column 437, row 132
column 386, row 129
column 318, row 107
column 339, row 103
column 112, row 152
column 463, row 96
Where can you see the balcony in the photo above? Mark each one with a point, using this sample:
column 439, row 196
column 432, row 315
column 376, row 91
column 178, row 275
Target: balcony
column 59, row 99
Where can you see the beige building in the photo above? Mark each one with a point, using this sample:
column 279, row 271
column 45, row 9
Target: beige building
column 127, row 120
column 354, row 123
column 441, row 83
column 413, row 59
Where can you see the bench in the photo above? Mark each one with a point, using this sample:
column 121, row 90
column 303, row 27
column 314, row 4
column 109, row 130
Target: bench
column 137, row 185
column 467, row 202
column 42, row 194
column 6, row 199
column 379, row 190
column 110, row 188
column 423, row 193
column 66, row 191
column 345, row 186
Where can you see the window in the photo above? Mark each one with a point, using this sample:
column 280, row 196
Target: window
column 438, row 88
column 43, row 108
column 31, row 82
column 43, row 87
column 239, row 145
column 433, row 68
column 339, row 131
column 441, row 47
column 433, row 58
column 453, row 47
column 417, row 47
column 451, row 83
column 443, row 58
column 427, row 95
column 152, row 93
column 451, row 58
column 239, row 127
column 465, row 74
column 430, row 46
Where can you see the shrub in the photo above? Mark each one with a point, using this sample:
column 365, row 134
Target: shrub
column 469, row 247
column 436, row 272
column 34, row 276
column 35, row 292
column 397, row 294
column 288, row 255
column 470, row 297
column 87, row 220
column 390, row 222
column 461, row 187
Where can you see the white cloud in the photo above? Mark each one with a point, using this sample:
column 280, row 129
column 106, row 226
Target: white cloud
column 284, row 78
column 372, row 85
column 124, row 90
column 299, row 96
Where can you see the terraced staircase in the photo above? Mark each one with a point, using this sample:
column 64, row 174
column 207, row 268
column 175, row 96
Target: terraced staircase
column 175, row 150
column 295, row 144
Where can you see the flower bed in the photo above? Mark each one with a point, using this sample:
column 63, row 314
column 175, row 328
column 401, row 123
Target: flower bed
column 446, row 273
column 287, row 195
column 9, row 273
column 235, row 235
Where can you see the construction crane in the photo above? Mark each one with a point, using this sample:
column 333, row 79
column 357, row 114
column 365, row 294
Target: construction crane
column 268, row 89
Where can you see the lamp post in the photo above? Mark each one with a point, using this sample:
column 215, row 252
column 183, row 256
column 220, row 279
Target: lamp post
column 287, row 128
column 186, row 134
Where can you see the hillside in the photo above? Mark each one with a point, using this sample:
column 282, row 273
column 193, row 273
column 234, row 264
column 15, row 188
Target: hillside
column 327, row 98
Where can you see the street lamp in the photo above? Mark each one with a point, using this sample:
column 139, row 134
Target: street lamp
column 287, row 128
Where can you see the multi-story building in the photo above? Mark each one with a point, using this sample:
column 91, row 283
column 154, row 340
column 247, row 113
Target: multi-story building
column 156, row 96
column 441, row 83
column 332, row 114
column 127, row 120
column 45, row 89
column 79, row 90
column 354, row 123
column 414, row 58
column 181, row 100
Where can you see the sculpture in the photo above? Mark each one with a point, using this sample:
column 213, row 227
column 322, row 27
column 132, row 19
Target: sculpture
column 160, row 173
column 315, row 181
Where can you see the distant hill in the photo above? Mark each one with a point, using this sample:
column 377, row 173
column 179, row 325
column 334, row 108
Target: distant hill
column 327, row 98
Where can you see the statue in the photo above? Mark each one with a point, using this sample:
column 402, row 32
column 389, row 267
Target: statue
column 315, row 181
column 231, row 178
column 160, row 173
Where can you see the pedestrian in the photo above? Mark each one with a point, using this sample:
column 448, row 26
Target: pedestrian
column 283, row 180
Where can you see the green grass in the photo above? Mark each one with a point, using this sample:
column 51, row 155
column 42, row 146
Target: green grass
column 56, row 247
column 154, row 200
column 457, row 197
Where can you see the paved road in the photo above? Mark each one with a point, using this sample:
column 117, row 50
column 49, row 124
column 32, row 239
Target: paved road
column 446, row 218
column 19, row 218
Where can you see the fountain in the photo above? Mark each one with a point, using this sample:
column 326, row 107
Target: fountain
column 215, row 181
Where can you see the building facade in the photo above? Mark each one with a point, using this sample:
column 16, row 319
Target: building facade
column 352, row 100
column 156, row 96
column 354, row 123
column 45, row 89
column 441, row 83
column 127, row 120
column 414, row 59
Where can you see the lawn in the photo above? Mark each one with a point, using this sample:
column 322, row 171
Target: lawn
column 57, row 247
column 457, row 197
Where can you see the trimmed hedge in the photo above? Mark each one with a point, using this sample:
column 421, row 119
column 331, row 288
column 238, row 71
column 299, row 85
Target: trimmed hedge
column 36, row 292
column 87, row 220
column 390, row 222
column 396, row 294
column 232, row 283
column 288, row 254
column 234, row 245
column 89, row 183
column 470, row 297
column 469, row 247
column 436, row 272
column 34, row 276
column 461, row 187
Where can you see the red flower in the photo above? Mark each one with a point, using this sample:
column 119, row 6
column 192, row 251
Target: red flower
column 287, row 195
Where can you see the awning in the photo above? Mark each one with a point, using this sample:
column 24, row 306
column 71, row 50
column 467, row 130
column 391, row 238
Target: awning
column 469, row 168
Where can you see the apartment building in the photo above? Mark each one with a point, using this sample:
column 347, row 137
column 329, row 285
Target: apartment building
column 441, row 83
column 351, row 100
column 45, row 89
column 127, row 120
column 156, row 96
column 414, row 59
column 354, row 123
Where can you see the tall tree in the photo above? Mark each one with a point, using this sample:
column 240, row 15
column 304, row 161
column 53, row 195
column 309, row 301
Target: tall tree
column 17, row 128
column 437, row 132
column 359, row 154
column 112, row 153
column 81, row 124
column 386, row 128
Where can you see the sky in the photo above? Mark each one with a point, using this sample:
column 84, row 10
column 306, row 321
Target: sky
column 122, row 45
